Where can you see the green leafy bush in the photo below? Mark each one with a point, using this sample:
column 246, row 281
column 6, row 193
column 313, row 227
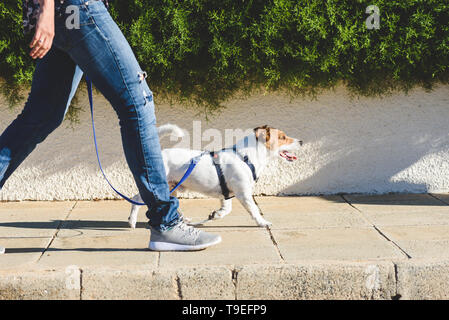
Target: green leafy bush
column 205, row 51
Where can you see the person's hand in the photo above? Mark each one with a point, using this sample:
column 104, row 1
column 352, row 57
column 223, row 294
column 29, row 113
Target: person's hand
column 45, row 31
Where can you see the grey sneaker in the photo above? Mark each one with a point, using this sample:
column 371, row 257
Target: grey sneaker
column 2, row 250
column 182, row 237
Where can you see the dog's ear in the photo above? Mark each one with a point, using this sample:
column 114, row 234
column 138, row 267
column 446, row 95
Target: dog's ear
column 262, row 133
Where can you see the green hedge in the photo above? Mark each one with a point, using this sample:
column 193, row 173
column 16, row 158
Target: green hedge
column 204, row 51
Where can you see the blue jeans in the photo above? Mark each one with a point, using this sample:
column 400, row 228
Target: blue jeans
column 98, row 49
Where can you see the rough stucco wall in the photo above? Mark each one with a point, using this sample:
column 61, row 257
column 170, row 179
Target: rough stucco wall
column 398, row 143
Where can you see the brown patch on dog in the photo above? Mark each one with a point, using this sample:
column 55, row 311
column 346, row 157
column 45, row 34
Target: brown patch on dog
column 262, row 133
column 273, row 138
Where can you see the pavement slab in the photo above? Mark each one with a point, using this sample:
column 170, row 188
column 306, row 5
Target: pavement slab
column 356, row 244
column 22, row 252
column 391, row 246
column 32, row 218
column 401, row 209
column 119, row 250
column 237, row 248
column 100, row 218
column 421, row 241
column 309, row 212
column 200, row 209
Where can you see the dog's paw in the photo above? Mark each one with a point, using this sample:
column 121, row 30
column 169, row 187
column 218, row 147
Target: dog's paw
column 132, row 223
column 218, row 214
column 264, row 223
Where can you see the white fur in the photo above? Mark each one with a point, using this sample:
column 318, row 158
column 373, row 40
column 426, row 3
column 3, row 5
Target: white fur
column 204, row 177
column 170, row 129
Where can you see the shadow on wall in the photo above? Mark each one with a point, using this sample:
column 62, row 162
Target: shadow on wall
column 375, row 146
column 405, row 161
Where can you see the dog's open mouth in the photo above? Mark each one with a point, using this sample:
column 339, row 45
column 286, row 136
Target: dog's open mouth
column 288, row 156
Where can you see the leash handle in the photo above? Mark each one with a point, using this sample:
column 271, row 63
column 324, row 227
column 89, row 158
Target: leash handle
column 192, row 164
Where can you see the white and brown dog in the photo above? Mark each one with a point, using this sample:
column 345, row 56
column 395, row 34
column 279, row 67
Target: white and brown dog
column 231, row 171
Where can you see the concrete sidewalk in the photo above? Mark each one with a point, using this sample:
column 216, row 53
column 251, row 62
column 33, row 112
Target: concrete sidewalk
column 331, row 247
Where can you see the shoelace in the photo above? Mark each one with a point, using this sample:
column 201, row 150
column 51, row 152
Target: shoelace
column 192, row 231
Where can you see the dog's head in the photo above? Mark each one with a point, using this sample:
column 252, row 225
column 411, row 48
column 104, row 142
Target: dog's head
column 277, row 142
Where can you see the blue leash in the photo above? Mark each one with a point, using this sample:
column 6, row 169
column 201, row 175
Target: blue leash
column 192, row 164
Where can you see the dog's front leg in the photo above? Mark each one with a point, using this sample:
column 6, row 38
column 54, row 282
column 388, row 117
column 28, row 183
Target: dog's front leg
column 226, row 208
column 249, row 204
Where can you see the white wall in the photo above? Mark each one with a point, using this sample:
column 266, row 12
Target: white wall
column 399, row 143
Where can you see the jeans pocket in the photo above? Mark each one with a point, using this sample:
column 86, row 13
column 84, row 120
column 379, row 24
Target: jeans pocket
column 73, row 26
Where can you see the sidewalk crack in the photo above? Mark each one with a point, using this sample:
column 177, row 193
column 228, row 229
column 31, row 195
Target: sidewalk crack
column 235, row 274
column 441, row 200
column 397, row 296
column 275, row 244
column 393, row 242
column 376, row 228
column 178, row 283
column 271, row 235
column 58, row 228
column 81, row 284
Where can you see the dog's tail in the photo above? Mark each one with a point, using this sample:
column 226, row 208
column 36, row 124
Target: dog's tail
column 170, row 129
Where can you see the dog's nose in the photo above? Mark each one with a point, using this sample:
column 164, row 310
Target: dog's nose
column 300, row 142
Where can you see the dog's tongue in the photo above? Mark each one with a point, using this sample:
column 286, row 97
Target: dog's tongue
column 289, row 156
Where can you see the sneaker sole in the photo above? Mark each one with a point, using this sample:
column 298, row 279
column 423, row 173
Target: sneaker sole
column 167, row 246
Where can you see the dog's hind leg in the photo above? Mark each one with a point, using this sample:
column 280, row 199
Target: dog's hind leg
column 132, row 220
column 226, row 208
column 248, row 202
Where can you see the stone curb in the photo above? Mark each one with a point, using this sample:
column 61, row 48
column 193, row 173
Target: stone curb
column 40, row 285
column 423, row 280
column 411, row 279
column 317, row 281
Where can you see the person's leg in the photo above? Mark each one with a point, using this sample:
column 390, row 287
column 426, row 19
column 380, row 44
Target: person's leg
column 54, row 84
column 55, row 80
column 99, row 48
column 102, row 52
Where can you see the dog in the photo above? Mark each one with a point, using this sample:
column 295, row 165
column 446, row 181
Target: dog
column 232, row 171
